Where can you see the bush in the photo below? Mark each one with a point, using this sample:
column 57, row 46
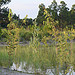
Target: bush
column 4, row 34
column 24, row 34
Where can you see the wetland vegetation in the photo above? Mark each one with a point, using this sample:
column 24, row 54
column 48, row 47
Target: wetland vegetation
column 50, row 49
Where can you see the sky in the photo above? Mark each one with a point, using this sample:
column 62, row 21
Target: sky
column 30, row 7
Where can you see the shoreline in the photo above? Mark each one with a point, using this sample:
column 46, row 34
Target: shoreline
column 5, row 71
column 27, row 42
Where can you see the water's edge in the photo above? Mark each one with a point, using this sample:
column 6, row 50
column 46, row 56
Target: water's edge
column 6, row 71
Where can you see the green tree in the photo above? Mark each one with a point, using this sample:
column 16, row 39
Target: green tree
column 15, row 17
column 72, row 12
column 40, row 17
column 53, row 10
column 4, row 17
column 3, row 2
column 4, row 13
column 13, row 37
column 28, row 22
column 63, row 14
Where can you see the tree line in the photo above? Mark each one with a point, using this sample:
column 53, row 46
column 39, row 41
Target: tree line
column 60, row 13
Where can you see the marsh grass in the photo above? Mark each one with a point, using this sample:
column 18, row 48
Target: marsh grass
column 4, row 58
column 45, row 57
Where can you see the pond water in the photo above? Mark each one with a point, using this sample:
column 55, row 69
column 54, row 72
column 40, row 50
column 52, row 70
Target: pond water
column 40, row 60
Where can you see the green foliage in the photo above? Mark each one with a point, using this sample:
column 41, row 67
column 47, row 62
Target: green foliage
column 24, row 20
column 2, row 2
column 53, row 10
column 4, row 35
column 15, row 17
column 4, row 13
column 60, row 13
column 34, row 44
column 54, row 52
column 10, row 15
column 72, row 16
column 0, row 33
column 40, row 17
column 4, row 17
column 25, row 34
column 64, row 15
column 13, row 38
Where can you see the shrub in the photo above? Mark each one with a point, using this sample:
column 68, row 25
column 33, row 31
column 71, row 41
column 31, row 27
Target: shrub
column 4, row 34
column 25, row 34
